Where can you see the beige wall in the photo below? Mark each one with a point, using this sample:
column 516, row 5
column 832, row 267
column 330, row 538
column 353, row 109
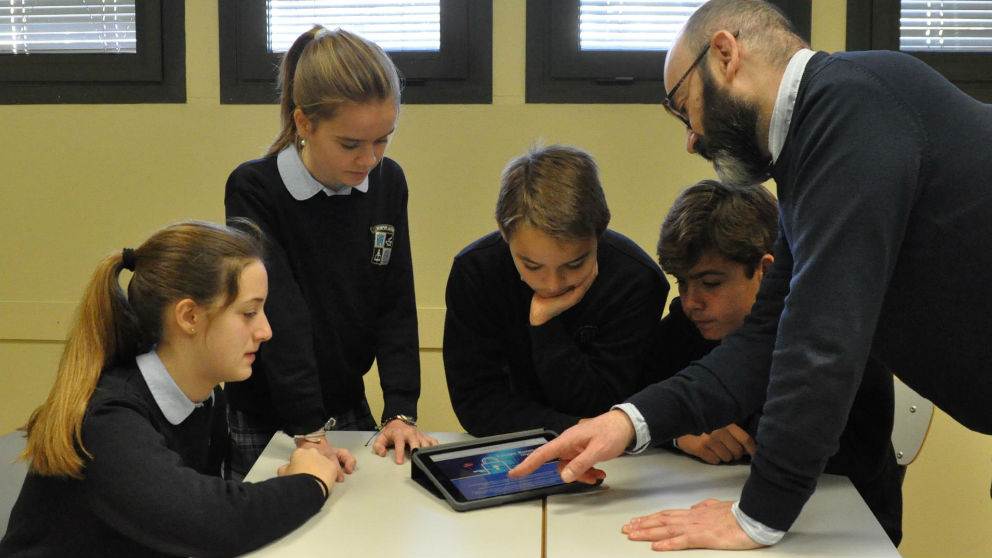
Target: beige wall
column 81, row 181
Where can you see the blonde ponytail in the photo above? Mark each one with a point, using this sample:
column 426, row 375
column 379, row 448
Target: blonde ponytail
column 103, row 328
column 196, row 260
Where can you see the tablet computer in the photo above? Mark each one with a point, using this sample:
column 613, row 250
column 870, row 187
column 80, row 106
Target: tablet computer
column 473, row 474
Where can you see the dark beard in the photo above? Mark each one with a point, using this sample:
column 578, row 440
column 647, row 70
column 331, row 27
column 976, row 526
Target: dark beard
column 731, row 140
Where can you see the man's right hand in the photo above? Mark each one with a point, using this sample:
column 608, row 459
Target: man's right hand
column 582, row 446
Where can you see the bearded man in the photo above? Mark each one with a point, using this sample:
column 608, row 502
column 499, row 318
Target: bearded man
column 884, row 175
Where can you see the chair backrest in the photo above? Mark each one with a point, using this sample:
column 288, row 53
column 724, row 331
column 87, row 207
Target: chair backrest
column 913, row 414
column 11, row 474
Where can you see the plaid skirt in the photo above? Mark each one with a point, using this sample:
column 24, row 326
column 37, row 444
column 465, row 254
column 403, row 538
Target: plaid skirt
column 249, row 436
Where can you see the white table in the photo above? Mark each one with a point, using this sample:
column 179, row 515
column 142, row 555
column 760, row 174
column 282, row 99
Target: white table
column 835, row 521
column 380, row 511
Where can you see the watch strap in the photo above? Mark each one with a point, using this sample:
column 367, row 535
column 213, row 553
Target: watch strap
column 411, row 420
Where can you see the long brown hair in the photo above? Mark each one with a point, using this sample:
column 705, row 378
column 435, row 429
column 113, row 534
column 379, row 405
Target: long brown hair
column 325, row 69
column 197, row 260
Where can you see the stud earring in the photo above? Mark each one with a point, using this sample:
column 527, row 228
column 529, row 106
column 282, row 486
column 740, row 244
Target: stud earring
column 192, row 330
column 303, row 143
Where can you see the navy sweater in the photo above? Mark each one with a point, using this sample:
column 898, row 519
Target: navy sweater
column 886, row 250
column 505, row 375
column 865, row 453
column 333, row 310
column 153, row 489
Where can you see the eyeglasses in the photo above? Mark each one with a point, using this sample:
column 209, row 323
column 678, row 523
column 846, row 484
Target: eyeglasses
column 669, row 103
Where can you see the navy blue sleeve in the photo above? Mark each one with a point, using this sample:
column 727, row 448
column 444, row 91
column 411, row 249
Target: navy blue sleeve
column 286, row 362
column 845, row 217
column 397, row 341
column 136, row 484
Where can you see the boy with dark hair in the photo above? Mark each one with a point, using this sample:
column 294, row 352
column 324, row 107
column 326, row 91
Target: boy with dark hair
column 717, row 242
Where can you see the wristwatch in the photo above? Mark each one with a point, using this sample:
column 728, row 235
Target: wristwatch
column 412, row 421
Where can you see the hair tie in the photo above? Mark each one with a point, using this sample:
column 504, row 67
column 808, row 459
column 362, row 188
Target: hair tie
column 128, row 259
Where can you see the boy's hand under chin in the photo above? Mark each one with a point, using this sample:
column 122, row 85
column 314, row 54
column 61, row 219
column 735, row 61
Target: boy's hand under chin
column 543, row 309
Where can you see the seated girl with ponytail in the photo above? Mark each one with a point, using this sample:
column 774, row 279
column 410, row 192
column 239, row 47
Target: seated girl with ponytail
column 125, row 455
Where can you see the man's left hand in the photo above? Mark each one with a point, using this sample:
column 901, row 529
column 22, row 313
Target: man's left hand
column 708, row 524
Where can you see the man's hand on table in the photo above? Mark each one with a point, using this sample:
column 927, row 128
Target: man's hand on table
column 708, row 524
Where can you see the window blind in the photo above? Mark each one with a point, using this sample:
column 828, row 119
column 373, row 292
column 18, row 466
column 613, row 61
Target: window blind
column 414, row 25
column 964, row 26
column 632, row 25
column 67, row 26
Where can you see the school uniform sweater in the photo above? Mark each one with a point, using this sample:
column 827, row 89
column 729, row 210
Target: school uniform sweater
column 506, row 375
column 885, row 250
column 151, row 488
column 340, row 296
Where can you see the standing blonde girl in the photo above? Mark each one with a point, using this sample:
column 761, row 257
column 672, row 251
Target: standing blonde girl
column 126, row 452
column 334, row 211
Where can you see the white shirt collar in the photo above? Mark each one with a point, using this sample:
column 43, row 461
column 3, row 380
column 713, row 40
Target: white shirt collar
column 785, row 102
column 301, row 184
column 170, row 399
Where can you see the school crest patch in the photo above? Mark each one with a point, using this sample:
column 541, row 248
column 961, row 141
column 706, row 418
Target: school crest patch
column 382, row 243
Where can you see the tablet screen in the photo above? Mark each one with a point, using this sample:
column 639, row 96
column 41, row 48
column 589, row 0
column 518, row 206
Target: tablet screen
column 477, row 473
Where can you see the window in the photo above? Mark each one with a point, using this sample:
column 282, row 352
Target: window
column 395, row 26
column 955, row 38
column 105, row 27
column 945, row 26
column 92, row 51
column 443, row 48
column 594, row 51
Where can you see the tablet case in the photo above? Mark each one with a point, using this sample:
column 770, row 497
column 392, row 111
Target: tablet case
column 420, row 473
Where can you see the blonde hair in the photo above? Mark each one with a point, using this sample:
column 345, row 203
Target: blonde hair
column 197, row 260
column 326, row 69
column 555, row 189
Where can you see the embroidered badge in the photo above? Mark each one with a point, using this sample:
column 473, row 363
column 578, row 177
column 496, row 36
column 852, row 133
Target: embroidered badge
column 382, row 243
